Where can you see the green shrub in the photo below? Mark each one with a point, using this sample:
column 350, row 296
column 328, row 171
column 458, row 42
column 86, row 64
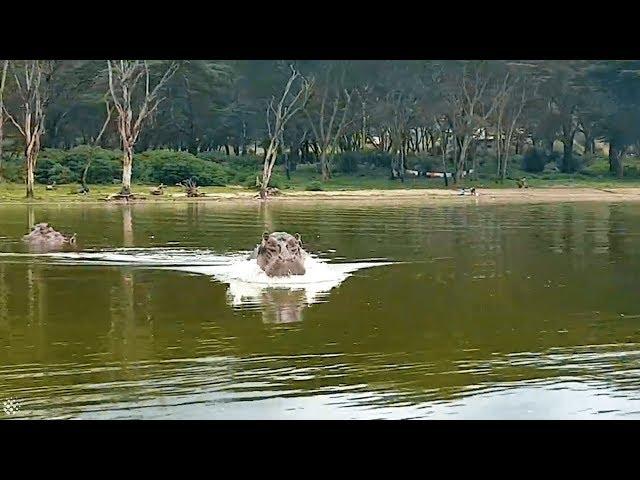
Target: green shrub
column 170, row 167
column 212, row 156
column 13, row 169
column 43, row 169
column 378, row 159
column 61, row 174
column 314, row 186
column 250, row 182
column 66, row 166
column 577, row 163
column 347, row 162
column 422, row 163
column 277, row 181
column 534, row 160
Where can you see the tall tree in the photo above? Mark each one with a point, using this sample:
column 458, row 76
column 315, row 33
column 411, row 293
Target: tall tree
column 278, row 114
column 32, row 80
column 469, row 107
column 3, row 82
column 328, row 116
column 510, row 99
column 125, row 78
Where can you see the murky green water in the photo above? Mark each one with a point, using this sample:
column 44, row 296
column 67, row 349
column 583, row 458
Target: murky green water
column 528, row 311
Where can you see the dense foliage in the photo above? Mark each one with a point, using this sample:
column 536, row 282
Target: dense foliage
column 211, row 124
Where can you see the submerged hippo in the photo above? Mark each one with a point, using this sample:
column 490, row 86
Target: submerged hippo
column 44, row 236
column 280, row 254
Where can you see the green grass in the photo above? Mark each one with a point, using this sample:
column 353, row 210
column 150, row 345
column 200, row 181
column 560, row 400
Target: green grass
column 13, row 192
column 306, row 178
column 379, row 180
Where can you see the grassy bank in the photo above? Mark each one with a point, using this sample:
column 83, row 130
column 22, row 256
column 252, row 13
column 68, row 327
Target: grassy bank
column 346, row 187
column 221, row 176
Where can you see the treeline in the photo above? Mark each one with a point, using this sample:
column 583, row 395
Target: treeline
column 325, row 112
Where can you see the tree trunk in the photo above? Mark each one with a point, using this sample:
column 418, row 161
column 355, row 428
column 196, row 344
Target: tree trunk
column 505, row 162
column 1, row 140
column 83, row 179
column 498, row 150
column 30, row 158
column 444, row 162
column 324, row 165
column 243, row 143
column 287, row 167
column 271, row 153
column 567, row 157
column 474, row 166
column 127, row 162
column 466, row 142
column 364, row 126
column 587, row 145
column 615, row 160
column 3, row 78
column 549, row 146
column 611, row 156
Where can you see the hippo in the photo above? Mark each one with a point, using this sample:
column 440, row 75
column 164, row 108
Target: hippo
column 280, row 254
column 45, row 237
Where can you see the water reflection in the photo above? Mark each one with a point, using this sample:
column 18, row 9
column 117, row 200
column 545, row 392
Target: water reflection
column 277, row 305
column 127, row 226
column 490, row 312
column 282, row 306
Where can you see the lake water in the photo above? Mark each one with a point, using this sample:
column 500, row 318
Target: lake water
column 413, row 311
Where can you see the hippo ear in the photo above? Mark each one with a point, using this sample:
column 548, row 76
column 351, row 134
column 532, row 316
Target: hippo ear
column 298, row 238
column 265, row 236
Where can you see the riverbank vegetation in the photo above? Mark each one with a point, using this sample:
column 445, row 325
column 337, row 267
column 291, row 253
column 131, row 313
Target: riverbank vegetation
column 93, row 127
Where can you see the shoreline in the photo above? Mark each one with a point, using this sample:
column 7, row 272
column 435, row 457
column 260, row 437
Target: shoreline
column 485, row 196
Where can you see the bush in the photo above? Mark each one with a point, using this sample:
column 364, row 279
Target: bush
column 66, row 166
column 212, row 156
column 276, row 181
column 170, row 167
column 347, row 162
column 577, row 163
column 534, row 160
column 314, row 186
column 378, row 159
column 61, row 174
column 43, row 169
column 422, row 163
column 13, row 169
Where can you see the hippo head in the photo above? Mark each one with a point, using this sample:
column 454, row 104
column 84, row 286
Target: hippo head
column 42, row 228
column 280, row 254
column 44, row 237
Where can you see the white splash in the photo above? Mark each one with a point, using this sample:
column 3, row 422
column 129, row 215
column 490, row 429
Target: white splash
column 246, row 280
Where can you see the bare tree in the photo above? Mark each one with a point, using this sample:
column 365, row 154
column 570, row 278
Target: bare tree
column 510, row 99
column 402, row 112
column 443, row 129
column 277, row 117
column 326, row 130
column 95, row 143
column 124, row 77
column 468, row 111
column 32, row 84
column 3, row 82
